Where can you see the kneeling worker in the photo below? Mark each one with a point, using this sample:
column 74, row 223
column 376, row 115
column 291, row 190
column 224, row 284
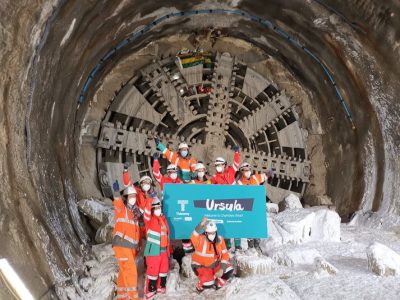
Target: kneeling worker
column 210, row 261
column 157, row 248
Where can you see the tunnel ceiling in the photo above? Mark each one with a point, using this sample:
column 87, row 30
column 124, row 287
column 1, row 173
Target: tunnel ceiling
column 326, row 107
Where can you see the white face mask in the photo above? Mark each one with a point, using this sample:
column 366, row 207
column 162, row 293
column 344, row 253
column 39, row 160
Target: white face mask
column 146, row 187
column 132, row 200
column 247, row 174
column 219, row 169
column 184, row 153
column 157, row 212
column 201, row 174
column 173, row 176
column 211, row 237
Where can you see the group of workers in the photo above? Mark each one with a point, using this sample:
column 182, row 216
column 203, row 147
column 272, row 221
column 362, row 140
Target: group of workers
column 138, row 215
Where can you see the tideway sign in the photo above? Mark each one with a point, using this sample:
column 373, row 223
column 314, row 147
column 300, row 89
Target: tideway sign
column 238, row 210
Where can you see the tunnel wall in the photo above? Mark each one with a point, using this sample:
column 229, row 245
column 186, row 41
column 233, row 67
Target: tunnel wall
column 42, row 77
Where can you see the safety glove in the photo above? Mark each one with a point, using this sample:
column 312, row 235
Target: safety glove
column 115, row 187
column 157, row 140
column 204, row 222
column 126, row 166
column 156, row 156
column 270, row 173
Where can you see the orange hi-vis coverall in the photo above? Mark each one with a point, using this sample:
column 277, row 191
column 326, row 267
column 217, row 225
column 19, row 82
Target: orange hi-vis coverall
column 125, row 245
column 228, row 177
column 161, row 179
column 157, row 252
column 185, row 164
column 209, row 258
column 255, row 179
column 197, row 181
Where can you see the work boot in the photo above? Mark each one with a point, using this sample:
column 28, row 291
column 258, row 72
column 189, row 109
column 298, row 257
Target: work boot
column 199, row 288
column 250, row 243
column 257, row 244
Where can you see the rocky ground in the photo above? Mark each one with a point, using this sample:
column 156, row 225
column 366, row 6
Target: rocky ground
column 308, row 254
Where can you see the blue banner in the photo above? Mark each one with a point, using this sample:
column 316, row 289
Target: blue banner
column 238, row 210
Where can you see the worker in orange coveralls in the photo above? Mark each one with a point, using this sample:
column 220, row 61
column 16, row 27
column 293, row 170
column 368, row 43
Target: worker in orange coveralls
column 126, row 241
column 210, row 261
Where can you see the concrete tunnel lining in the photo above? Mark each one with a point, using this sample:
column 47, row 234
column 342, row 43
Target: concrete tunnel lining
column 54, row 122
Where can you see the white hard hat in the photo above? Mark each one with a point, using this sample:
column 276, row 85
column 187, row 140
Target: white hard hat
column 211, row 227
column 183, row 145
column 156, row 202
column 172, row 167
column 244, row 166
column 145, row 178
column 219, row 161
column 129, row 190
column 199, row 166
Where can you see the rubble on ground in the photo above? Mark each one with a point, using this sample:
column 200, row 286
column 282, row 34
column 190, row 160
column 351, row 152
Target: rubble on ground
column 101, row 216
column 272, row 208
column 321, row 265
column 382, row 260
column 248, row 265
column 259, row 287
column 290, row 202
column 186, row 267
column 297, row 226
column 292, row 257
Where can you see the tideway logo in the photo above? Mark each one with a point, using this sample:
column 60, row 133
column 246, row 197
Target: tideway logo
column 225, row 204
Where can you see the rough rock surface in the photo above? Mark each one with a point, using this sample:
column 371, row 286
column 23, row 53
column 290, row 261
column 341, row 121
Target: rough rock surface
column 382, row 260
column 173, row 280
column 101, row 216
column 186, row 267
column 253, row 265
column 268, row 287
column 294, row 257
column 272, row 208
column 296, row 226
column 290, row 202
column 321, row 265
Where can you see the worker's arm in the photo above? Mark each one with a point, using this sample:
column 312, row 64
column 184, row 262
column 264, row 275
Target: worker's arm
column 195, row 237
column 213, row 179
column 236, row 158
column 156, row 168
column 147, row 211
column 125, row 176
column 193, row 163
column 117, row 199
column 171, row 156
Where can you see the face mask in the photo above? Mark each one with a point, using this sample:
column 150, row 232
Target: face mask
column 146, row 187
column 247, row 174
column 157, row 212
column 184, row 153
column 173, row 176
column 211, row 237
column 219, row 169
column 132, row 201
column 200, row 174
